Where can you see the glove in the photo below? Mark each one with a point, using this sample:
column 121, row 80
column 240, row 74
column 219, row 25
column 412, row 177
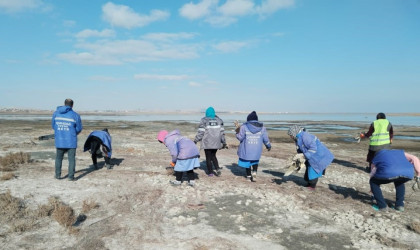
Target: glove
column 362, row 135
column 299, row 157
column 195, row 142
column 416, row 184
column 268, row 148
column 225, row 146
column 238, row 127
column 172, row 164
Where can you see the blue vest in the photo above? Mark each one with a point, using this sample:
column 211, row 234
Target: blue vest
column 392, row 164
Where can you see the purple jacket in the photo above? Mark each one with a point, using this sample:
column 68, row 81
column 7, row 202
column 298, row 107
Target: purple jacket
column 252, row 136
column 180, row 148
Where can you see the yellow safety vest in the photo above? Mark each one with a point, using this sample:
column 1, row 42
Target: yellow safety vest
column 380, row 135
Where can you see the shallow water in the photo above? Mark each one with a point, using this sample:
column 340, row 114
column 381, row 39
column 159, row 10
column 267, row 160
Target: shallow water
column 274, row 119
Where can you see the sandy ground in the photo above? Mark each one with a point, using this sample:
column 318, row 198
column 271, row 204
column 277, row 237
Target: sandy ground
column 138, row 209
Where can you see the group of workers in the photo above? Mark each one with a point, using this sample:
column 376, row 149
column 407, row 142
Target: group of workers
column 386, row 165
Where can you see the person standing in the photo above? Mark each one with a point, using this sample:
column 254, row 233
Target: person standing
column 251, row 135
column 380, row 134
column 392, row 166
column 98, row 142
column 317, row 155
column 184, row 153
column 211, row 133
column 67, row 125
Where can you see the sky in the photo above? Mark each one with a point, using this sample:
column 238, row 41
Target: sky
column 233, row 55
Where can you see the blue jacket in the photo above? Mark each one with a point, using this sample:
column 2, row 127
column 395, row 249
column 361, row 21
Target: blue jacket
column 180, row 148
column 316, row 153
column 104, row 137
column 392, row 164
column 67, row 125
column 252, row 135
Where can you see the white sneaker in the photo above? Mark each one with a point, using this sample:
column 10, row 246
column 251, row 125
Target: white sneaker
column 175, row 183
column 191, row 183
column 254, row 176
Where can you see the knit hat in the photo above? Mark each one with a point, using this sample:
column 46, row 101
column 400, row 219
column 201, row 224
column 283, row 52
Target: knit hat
column 210, row 112
column 380, row 116
column 161, row 136
column 294, row 130
column 252, row 116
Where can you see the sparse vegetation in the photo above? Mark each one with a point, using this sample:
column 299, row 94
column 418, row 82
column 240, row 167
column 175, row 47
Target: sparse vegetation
column 11, row 161
column 7, row 176
column 89, row 205
column 414, row 226
column 19, row 218
column 62, row 212
column 15, row 214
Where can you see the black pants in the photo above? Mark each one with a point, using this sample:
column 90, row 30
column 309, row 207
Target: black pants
column 313, row 182
column 254, row 168
column 211, row 160
column 190, row 175
column 95, row 145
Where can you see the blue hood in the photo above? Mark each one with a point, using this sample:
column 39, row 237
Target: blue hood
column 210, row 112
column 254, row 126
column 63, row 109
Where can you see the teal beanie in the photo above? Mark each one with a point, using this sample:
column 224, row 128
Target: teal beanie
column 210, row 112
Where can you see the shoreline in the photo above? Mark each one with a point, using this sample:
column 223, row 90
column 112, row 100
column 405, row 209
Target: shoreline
column 13, row 111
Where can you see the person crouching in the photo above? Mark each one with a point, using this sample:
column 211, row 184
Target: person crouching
column 392, row 166
column 184, row 153
column 318, row 156
column 98, row 142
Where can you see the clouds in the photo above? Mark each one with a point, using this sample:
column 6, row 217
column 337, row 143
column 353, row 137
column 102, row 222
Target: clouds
column 13, row 6
column 196, row 11
column 117, row 52
column 230, row 11
column 161, row 77
column 230, row 46
column 94, row 33
column 125, row 17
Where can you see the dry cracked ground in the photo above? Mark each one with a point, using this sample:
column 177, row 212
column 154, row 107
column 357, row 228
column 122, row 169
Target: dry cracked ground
column 133, row 206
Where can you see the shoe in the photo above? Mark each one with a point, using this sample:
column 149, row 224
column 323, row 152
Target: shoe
column 191, row 183
column 399, row 208
column 95, row 166
column 57, row 177
column 254, row 176
column 175, row 183
column 310, row 188
column 376, row 208
column 71, row 179
column 210, row 175
column 219, row 173
column 108, row 166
